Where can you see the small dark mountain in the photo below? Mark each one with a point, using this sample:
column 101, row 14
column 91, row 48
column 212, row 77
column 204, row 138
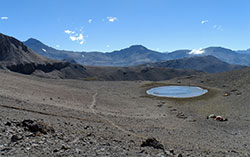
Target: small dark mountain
column 15, row 56
column 208, row 64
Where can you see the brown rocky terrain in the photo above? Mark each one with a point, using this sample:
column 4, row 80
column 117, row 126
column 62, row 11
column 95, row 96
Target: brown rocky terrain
column 53, row 117
column 15, row 56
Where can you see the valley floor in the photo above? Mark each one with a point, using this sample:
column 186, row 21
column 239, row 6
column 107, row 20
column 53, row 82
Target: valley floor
column 108, row 118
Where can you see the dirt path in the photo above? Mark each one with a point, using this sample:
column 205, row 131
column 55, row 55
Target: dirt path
column 47, row 114
column 94, row 111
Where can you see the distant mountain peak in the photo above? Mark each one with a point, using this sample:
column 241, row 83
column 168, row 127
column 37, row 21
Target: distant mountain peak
column 33, row 40
column 218, row 48
column 141, row 47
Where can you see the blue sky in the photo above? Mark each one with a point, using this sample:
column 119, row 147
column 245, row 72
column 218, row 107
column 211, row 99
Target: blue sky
column 107, row 25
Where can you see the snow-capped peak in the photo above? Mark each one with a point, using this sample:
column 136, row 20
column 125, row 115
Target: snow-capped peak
column 196, row 52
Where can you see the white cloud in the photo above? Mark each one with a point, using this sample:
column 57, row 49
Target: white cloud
column 90, row 20
column 108, row 46
column 69, row 32
column 4, row 18
column 196, row 52
column 112, row 19
column 76, row 35
column 204, row 21
column 57, row 46
column 218, row 27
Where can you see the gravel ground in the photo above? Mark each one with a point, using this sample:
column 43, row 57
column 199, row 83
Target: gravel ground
column 106, row 118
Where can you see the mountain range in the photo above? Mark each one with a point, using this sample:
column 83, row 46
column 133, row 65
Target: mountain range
column 133, row 55
column 136, row 55
column 16, row 57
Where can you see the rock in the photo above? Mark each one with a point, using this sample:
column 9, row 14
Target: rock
column 55, row 150
column 36, row 127
column 239, row 93
column 6, row 149
column 86, row 127
column 65, row 147
column 181, row 115
column 28, row 148
column 171, row 151
column 78, row 151
column 234, row 90
column 159, row 105
column 7, row 124
column 35, row 145
column 152, row 142
column 173, row 110
column 16, row 138
column 89, row 134
column 179, row 155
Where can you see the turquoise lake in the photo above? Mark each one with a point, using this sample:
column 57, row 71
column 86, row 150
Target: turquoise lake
column 177, row 91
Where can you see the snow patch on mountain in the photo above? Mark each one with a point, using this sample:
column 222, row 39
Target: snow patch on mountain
column 44, row 50
column 197, row 52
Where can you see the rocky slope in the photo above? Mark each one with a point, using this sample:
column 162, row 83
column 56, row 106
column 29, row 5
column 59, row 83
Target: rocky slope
column 209, row 64
column 117, row 118
column 15, row 56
